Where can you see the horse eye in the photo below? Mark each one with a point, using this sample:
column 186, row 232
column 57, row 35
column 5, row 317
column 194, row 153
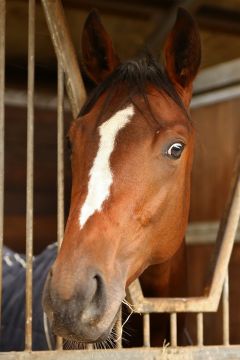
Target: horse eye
column 175, row 150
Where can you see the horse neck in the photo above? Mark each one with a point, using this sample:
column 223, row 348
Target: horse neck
column 168, row 279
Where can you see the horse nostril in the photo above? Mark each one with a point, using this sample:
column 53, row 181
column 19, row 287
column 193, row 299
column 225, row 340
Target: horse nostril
column 95, row 301
column 99, row 286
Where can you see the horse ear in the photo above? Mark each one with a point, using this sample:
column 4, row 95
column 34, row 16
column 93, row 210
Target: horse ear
column 99, row 57
column 183, row 54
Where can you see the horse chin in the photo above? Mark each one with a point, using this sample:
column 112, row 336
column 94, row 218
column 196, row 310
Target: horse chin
column 80, row 339
column 83, row 333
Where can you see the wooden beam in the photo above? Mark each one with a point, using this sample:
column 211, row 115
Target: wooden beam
column 218, row 83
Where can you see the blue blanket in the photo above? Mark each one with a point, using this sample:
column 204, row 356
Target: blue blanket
column 13, row 308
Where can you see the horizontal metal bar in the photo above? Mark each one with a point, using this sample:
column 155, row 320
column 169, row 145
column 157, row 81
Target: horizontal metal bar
column 179, row 353
column 169, row 305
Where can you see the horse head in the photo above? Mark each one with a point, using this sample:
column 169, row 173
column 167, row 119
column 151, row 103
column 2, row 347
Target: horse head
column 131, row 155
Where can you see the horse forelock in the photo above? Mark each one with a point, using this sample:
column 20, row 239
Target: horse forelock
column 135, row 76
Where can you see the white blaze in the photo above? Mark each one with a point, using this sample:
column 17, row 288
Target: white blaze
column 100, row 176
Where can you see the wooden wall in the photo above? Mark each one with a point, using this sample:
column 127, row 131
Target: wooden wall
column 217, row 142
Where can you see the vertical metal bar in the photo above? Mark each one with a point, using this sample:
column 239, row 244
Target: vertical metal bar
column 30, row 152
column 225, row 303
column 146, row 330
column 119, row 330
column 2, row 120
column 200, row 329
column 60, row 156
column 60, row 167
column 173, row 329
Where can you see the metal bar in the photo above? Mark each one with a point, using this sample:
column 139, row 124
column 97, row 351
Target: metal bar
column 2, row 121
column 154, row 353
column 60, row 168
column 119, row 330
column 65, row 53
column 225, row 303
column 60, row 157
column 173, row 329
column 146, row 330
column 200, row 329
column 30, row 152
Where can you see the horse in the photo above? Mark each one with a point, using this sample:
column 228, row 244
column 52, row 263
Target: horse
column 131, row 155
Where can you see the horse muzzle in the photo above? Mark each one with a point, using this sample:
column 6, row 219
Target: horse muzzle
column 90, row 313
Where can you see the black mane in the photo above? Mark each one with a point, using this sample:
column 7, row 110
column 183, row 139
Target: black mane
column 137, row 74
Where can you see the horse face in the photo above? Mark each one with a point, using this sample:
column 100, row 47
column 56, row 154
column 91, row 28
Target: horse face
column 130, row 187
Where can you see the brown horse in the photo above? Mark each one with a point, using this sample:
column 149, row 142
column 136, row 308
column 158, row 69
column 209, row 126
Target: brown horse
column 131, row 153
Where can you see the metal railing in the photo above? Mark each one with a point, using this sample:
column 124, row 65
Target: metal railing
column 68, row 70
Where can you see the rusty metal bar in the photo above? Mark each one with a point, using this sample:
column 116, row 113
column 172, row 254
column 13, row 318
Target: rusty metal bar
column 60, row 167
column 119, row 330
column 225, row 303
column 200, row 329
column 210, row 300
column 30, row 155
column 65, row 53
column 2, row 121
column 60, row 156
column 146, row 330
column 154, row 353
column 173, row 329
